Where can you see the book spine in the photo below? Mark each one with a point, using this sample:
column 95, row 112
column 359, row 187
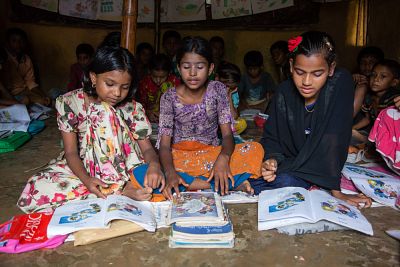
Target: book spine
column 203, row 230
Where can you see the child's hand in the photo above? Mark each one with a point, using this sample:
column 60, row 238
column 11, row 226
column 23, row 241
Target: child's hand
column 154, row 177
column 360, row 79
column 397, row 102
column 173, row 182
column 221, row 172
column 359, row 200
column 93, row 184
column 268, row 169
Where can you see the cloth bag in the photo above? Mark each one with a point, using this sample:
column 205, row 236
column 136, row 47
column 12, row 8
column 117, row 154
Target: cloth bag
column 27, row 232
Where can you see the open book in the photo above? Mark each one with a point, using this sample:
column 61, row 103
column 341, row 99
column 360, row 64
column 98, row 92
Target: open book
column 293, row 205
column 196, row 208
column 97, row 213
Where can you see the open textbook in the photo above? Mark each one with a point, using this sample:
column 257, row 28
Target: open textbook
column 381, row 187
column 293, row 205
column 97, row 213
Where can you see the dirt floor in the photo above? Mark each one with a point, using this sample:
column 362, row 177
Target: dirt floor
column 252, row 248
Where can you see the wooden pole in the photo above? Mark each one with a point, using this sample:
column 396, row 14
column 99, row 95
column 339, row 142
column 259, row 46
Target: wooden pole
column 129, row 23
column 157, row 10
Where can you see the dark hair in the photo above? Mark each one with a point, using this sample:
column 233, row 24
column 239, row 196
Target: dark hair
column 229, row 71
column 16, row 31
column 170, row 34
column 372, row 51
column 197, row 45
column 253, row 58
column 280, row 45
column 392, row 65
column 112, row 39
column 217, row 39
column 144, row 46
column 160, row 62
column 86, row 49
column 316, row 42
column 107, row 59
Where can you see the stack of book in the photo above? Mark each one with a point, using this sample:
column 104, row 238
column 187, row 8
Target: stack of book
column 199, row 220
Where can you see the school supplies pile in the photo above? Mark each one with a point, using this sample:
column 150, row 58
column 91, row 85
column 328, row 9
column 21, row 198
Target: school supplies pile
column 381, row 187
column 295, row 205
column 199, row 220
column 13, row 141
column 98, row 213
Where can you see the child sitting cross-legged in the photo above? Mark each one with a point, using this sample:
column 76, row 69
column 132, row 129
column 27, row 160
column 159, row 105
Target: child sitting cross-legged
column 105, row 139
column 190, row 115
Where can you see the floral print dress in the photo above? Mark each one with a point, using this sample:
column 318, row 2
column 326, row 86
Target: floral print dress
column 107, row 141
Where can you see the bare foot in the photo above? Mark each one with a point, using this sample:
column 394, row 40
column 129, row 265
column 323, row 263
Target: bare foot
column 140, row 194
column 245, row 187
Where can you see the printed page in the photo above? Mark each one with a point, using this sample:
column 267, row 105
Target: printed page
column 284, row 206
column 124, row 208
column 196, row 207
column 351, row 171
column 237, row 197
column 326, row 207
column 14, row 118
column 79, row 215
column 160, row 211
column 384, row 191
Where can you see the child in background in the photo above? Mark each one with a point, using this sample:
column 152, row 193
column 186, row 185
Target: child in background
column 20, row 76
column 366, row 60
column 256, row 85
column 171, row 42
column 229, row 74
column 84, row 53
column 6, row 98
column 279, row 53
column 309, row 126
column 190, row 116
column 217, row 45
column 105, row 140
column 383, row 81
column 144, row 53
column 153, row 85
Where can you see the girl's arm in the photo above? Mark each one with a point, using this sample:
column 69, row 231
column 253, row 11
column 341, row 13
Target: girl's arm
column 362, row 123
column 154, row 177
column 221, row 171
column 231, row 106
column 359, row 96
column 173, row 180
column 70, row 140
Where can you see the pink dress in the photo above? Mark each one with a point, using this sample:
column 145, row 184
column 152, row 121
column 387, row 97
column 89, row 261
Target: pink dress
column 386, row 135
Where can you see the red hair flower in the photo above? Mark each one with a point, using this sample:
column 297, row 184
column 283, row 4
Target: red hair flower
column 293, row 43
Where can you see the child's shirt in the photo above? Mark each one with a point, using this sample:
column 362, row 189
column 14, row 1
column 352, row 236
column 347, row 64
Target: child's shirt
column 73, row 116
column 150, row 93
column 75, row 77
column 20, row 74
column 197, row 122
column 386, row 100
column 257, row 91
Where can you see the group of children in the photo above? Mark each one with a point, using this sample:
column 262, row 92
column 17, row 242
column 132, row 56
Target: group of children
column 106, row 133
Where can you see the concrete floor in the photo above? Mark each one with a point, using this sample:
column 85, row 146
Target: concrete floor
column 252, row 248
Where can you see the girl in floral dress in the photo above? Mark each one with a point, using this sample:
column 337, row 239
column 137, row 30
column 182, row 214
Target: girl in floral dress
column 105, row 138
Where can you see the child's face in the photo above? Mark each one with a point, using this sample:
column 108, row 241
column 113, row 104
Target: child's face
column 171, row 46
column 310, row 75
column 254, row 71
column 145, row 56
column 83, row 59
column 16, row 44
column 195, row 70
column 278, row 56
column 382, row 79
column 366, row 65
column 229, row 83
column 159, row 76
column 112, row 87
column 217, row 50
